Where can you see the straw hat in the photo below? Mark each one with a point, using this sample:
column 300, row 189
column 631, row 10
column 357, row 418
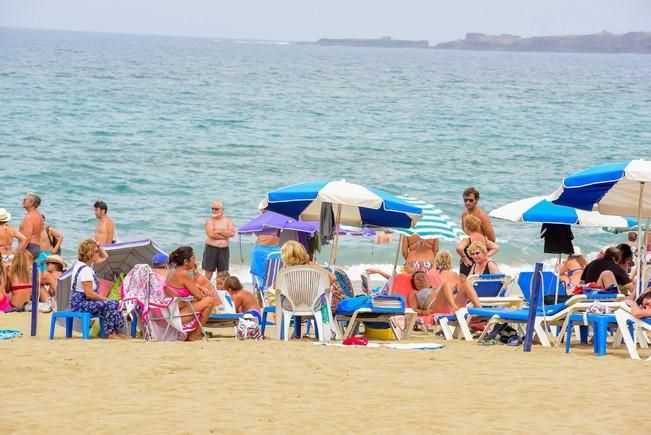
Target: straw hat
column 56, row 259
column 5, row 216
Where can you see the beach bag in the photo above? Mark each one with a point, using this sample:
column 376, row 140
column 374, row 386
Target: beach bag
column 248, row 327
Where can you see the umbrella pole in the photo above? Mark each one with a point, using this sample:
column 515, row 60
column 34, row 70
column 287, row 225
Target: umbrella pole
column 395, row 261
column 640, row 258
column 558, row 280
column 336, row 243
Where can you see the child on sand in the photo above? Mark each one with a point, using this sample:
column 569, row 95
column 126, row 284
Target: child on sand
column 243, row 300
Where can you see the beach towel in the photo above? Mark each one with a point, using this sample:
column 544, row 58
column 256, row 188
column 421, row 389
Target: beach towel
column 7, row 334
column 142, row 290
column 259, row 259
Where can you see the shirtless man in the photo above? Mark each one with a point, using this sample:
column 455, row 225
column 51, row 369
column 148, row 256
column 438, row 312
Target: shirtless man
column 105, row 229
column 31, row 226
column 470, row 200
column 219, row 229
column 8, row 234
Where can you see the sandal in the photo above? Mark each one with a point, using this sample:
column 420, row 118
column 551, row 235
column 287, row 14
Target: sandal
column 488, row 342
column 514, row 340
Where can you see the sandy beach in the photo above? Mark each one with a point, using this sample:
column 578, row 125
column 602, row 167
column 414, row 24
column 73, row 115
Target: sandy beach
column 254, row 387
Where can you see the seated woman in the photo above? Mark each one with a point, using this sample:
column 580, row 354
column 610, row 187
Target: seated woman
column 448, row 298
column 180, row 283
column 472, row 224
column 482, row 263
column 85, row 284
column 419, row 253
column 4, row 299
column 606, row 272
column 243, row 300
column 54, row 267
column 19, row 286
column 642, row 307
column 294, row 254
column 571, row 270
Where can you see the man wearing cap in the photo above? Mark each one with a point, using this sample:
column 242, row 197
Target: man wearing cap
column 8, row 234
column 219, row 229
column 32, row 226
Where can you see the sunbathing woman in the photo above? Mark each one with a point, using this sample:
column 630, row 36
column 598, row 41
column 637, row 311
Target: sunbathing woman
column 180, row 284
column 242, row 299
column 4, row 299
column 570, row 271
column 472, row 224
column 642, row 307
column 19, row 286
column 84, row 287
column 419, row 253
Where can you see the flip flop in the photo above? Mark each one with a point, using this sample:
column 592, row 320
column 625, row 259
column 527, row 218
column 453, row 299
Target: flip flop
column 514, row 340
column 488, row 342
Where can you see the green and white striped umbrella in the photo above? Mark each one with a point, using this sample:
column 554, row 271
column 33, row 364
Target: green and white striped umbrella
column 434, row 224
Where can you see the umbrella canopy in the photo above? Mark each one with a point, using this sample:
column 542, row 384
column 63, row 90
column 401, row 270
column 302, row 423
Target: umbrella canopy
column 539, row 209
column 434, row 224
column 353, row 204
column 613, row 189
column 270, row 219
column 123, row 256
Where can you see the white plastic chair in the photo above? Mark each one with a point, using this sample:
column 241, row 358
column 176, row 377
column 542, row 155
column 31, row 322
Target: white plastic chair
column 302, row 293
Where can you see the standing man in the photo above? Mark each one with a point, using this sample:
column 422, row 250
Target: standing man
column 219, row 229
column 470, row 201
column 105, row 229
column 31, row 226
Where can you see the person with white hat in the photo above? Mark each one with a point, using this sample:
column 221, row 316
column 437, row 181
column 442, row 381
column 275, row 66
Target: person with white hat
column 570, row 271
column 8, row 234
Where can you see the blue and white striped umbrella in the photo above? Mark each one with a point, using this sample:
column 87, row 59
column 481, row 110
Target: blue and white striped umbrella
column 433, row 225
column 614, row 189
column 354, row 204
column 539, row 209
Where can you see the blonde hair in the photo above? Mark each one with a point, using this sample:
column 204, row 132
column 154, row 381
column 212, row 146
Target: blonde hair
column 472, row 223
column 443, row 260
column 87, row 250
column 477, row 245
column 21, row 268
column 223, row 275
column 294, row 254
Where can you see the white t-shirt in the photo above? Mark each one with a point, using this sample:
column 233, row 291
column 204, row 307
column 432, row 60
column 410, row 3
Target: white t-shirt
column 86, row 274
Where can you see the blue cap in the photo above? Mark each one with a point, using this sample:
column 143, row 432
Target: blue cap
column 159, row 260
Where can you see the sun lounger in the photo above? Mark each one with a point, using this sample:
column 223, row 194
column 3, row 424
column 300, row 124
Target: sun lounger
column 633, row 331
column 375, row 309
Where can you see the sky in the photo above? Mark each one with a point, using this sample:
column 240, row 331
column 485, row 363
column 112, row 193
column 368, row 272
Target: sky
column 308, row 20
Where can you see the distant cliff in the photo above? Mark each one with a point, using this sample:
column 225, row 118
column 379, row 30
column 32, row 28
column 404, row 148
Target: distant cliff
column 385, row 42
column 604, row 42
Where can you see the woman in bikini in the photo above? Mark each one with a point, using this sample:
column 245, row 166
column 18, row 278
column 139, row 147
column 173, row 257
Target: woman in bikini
column 179, row 283
column 19, row 286
column 571, row 270
column 7, row 235
column 4, row 299
column 419, row 253
column 472, row 224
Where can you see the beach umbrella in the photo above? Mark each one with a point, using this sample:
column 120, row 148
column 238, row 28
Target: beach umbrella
column 277, row 221
column 434, row 224
column 122, row 256
column 614, row 189
column 539, row 209
column 352, row 204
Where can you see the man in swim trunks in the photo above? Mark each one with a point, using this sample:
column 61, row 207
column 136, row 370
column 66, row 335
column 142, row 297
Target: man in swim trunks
column 470, row 201
column 31, row 226
column 105, row 229
column 219, row 229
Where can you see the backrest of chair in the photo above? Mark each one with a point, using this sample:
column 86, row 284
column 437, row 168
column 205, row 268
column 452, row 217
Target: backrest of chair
column 302, row 286
column 490, row 285
column 549, row 281
column 274, row 264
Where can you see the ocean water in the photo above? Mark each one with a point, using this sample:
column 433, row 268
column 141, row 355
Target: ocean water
column 158, row 127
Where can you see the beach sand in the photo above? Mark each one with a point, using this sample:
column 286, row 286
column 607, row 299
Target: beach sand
column 253, row 387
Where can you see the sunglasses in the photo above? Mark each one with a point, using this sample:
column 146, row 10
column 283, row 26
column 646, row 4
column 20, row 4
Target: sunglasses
column 471, row 200
column 474, row 254
column 215, row 209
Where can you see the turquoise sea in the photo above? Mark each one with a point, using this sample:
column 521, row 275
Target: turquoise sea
column 159, row 126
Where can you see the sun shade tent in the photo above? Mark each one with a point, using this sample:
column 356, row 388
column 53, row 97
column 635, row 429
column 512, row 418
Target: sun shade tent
column 613, row 189
column 123, row 256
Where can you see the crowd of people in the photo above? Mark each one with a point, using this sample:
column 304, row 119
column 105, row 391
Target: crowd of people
column 435, row 287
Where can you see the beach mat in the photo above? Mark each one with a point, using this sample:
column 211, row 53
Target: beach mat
column 8, row 334
column 398, row 346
